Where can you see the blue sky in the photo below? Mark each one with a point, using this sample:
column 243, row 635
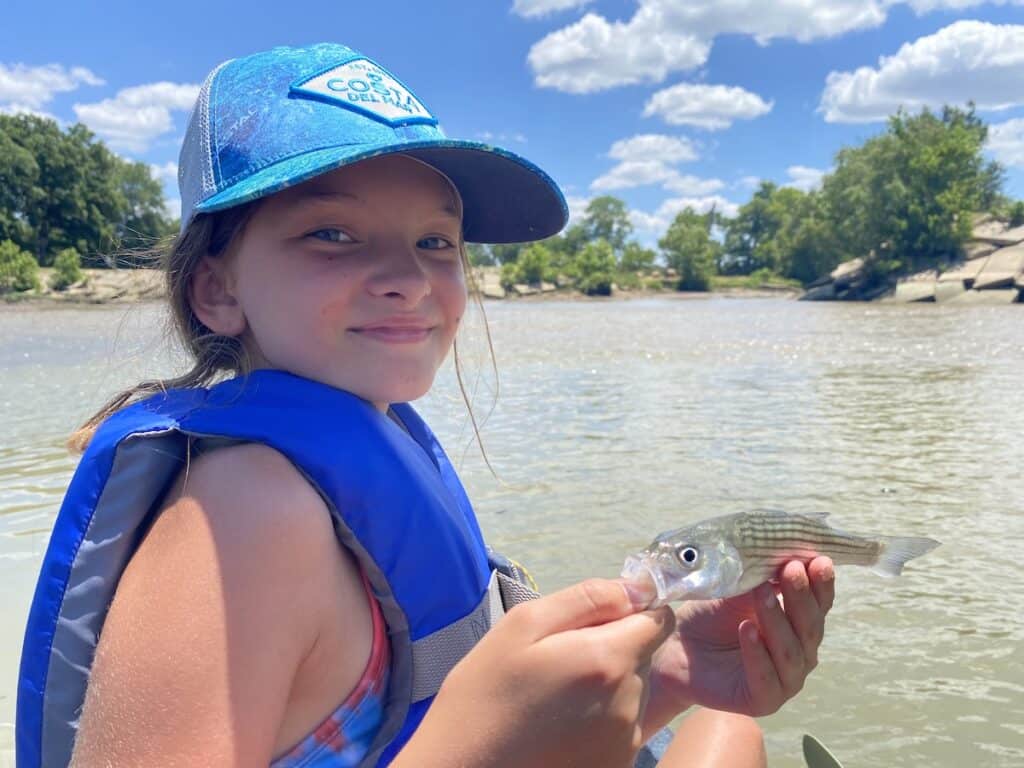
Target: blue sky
column 665, row 103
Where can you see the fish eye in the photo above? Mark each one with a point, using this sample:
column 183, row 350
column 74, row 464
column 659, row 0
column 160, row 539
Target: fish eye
column 688, row 555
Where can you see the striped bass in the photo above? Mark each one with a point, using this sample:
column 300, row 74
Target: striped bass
column 732, row 554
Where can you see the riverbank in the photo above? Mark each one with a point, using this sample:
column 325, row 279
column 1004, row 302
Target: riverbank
column 98, row 286
column 130, row 286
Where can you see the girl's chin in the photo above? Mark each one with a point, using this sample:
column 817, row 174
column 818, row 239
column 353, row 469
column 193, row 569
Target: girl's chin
column 383, row 396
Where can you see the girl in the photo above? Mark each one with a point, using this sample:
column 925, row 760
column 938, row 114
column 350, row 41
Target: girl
column 282, row 568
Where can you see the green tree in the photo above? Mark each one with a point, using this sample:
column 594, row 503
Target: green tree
column 480, row 255
column 808, row 250
column 65, row 189
column 19, row 174
column 506, row 253
column 636, row 258
column 564, row 247
column 67, row 269
column 690, row 250
column 908, row 195
column 18, row 270
column 594, row 267
column 760, row 235
column 143, row 218
column 607, row 218
column 1017, row 214
column 534, row 265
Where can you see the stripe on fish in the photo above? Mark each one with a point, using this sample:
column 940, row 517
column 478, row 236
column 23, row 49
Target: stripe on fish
column 731, row 554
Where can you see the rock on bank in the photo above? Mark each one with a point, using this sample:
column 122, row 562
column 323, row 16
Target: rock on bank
column 991, row 272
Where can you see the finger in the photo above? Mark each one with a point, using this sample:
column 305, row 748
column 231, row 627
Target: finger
column 803, row 611
column 823, row 581
column 588, row 603
column 763, row 684
column 780, row 639
column 637, row 637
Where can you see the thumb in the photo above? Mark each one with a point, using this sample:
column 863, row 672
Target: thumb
column 588, row 603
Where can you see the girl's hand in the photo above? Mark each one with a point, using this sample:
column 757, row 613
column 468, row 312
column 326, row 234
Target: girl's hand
column 747, row 654
column 561, row 680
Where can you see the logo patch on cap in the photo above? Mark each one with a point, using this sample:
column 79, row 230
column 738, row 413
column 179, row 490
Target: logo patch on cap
column 365, row 87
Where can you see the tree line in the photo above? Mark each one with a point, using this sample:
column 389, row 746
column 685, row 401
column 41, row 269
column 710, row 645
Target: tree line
column 903, row 200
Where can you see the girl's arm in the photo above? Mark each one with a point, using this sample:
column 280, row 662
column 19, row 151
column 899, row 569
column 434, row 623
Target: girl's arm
column 214, row 618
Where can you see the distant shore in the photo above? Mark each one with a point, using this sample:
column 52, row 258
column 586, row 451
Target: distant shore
column 130, row 286
column 99, row 286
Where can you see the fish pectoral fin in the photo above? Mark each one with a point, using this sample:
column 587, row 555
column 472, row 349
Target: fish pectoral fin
column 897, row 550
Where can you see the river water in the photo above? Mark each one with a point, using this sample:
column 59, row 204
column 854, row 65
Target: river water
column 617, row 420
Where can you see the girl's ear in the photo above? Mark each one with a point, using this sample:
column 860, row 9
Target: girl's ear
column 212, row 300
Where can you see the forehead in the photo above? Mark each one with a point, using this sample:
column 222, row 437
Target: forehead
column 391, row 179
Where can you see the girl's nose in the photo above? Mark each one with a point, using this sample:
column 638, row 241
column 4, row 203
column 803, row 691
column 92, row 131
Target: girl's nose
column 399, row 273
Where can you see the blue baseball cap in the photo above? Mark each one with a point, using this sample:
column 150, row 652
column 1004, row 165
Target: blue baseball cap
column 277, row 118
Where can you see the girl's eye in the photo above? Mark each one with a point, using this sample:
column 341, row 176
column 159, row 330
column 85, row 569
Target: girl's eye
column 331, row 235
column 434, row 243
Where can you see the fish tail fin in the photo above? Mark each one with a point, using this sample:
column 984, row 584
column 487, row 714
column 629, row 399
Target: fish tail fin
column 897, row 550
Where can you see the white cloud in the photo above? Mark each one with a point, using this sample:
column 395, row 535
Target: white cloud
column 23, row 109
column 577, row 208
column 648, row 158
column 693, row 185
column 533, row 9
column 25, row 89
column 705, row 106
column 168, row 172
column 173, row 208
column 653, row 146
column 488, row 136
column 666, row 36
column 594, row 54
column 137, row 115
column 1006, row 142
column 748, row 182
column 635, row 173
column 658, row 222
column 965, row 61
column 804, row 178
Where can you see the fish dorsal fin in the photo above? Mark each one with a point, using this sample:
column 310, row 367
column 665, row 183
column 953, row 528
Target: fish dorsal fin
column 772, row 512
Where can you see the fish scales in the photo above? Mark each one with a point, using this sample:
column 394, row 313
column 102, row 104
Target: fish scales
column 777, row 537
column 729, row 555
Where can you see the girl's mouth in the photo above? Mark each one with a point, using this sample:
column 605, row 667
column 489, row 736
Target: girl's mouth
column 394, row 334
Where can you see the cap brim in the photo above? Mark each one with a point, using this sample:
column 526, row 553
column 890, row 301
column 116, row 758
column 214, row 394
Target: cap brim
column 506, row 198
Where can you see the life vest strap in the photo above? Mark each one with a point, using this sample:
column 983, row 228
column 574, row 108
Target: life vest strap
column 434, row 656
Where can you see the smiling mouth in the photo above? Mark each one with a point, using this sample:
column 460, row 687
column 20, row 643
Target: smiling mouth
column 394, row 334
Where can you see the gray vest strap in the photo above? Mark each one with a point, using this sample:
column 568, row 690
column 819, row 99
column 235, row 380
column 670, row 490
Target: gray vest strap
column 434, row 656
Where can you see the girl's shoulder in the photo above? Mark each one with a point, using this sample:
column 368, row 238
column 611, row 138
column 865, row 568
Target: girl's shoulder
column 233, row 588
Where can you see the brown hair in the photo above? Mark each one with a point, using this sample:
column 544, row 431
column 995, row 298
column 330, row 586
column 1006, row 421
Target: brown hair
column 216, row 356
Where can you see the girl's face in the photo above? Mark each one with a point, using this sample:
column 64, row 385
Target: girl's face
column 354, row 278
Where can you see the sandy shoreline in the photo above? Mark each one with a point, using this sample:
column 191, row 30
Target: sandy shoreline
column 102, row 287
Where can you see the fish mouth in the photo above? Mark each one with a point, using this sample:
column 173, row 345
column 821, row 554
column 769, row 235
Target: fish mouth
column 637, row 568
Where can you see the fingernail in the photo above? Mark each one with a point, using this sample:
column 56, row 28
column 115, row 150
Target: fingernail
column 641, row 593
column 828, row 573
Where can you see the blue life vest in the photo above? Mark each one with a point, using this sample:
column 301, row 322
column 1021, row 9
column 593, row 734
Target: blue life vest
column 397, row 504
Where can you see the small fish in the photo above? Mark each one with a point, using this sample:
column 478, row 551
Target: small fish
column 732, row 554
